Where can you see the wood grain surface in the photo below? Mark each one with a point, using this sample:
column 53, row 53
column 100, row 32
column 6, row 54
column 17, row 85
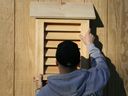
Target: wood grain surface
column 18, row 50
column 118, row 46
column 24, row 49
column 6, row 47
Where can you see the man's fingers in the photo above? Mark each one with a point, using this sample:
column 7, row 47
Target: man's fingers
column 92, row 36
column 87, row 38
column 82, row 37
column 37, row 78
column 38, row 81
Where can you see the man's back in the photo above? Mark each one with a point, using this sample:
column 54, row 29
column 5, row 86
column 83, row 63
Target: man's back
column 80, row 82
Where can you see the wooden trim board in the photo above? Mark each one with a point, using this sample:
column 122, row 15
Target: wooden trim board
column 56, row 10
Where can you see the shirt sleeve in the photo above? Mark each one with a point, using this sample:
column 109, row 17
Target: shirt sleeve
column 99, row 72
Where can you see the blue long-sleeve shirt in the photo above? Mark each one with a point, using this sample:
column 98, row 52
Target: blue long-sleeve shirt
column 81, row 82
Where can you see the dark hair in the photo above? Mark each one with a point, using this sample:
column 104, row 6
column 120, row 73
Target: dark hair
column 68, row 54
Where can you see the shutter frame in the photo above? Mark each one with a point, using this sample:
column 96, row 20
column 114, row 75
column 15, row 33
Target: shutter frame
column 43, row 66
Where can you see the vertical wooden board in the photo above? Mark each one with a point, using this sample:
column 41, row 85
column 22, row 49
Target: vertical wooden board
column 123, row 36
column 6, row 47
column 83, row 49
column 84, row 29
column 112, row 34
column 99, row 26
column 118, row 31
column 32, row 51
column 24, row 49
column 112, row 47
column 40, row 46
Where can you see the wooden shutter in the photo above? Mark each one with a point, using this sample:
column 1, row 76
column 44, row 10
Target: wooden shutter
column 50, row 32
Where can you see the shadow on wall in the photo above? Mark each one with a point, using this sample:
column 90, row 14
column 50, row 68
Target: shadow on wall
column 115, row 86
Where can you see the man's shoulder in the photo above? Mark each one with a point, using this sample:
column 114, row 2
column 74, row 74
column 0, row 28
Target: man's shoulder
column 43, row 91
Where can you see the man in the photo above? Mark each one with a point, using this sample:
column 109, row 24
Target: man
column 77, row 82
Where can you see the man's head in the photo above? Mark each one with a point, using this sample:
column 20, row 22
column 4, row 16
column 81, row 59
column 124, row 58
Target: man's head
column 68, row 54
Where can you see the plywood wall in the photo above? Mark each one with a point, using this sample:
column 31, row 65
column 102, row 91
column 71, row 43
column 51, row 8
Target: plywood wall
column 6, row 47
column 17, row 45
column 118, row 45
column 24, row 49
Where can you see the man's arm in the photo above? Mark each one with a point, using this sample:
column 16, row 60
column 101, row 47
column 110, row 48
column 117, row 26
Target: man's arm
column 99, row 72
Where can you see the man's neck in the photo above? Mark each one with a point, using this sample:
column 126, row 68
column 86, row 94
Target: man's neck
column 65, row 70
